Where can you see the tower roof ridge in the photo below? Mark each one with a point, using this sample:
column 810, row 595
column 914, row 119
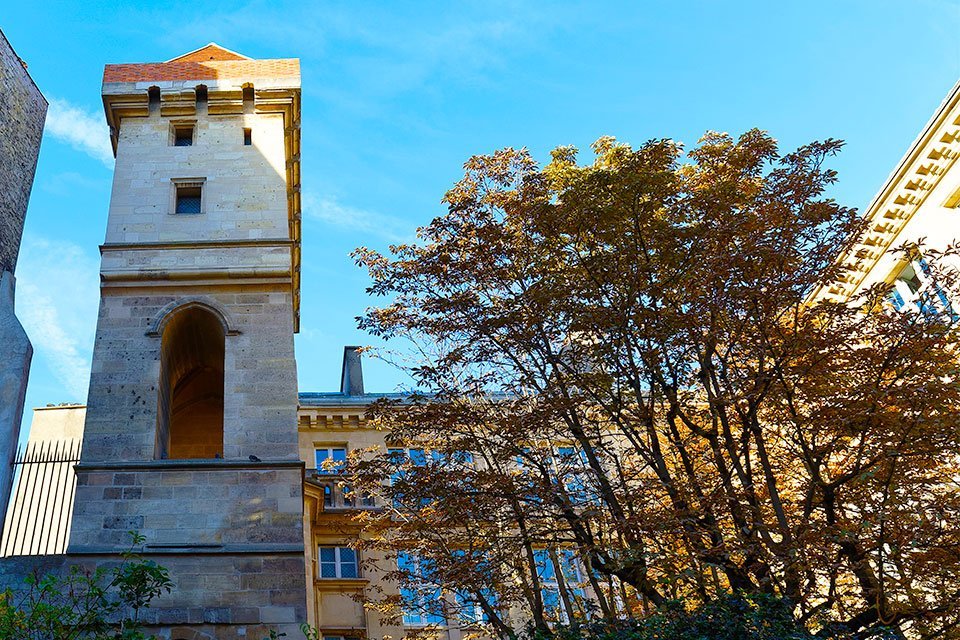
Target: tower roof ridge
column 210, row 51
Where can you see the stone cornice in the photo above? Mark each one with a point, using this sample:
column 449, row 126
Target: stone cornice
column 195, row 244
column 192, row 549
column 340, row 585
column 213, row 275
column 188, row 464
column 906, row 189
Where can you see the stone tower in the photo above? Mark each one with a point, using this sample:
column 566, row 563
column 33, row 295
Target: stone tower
column 190, row 434
column 23, row 110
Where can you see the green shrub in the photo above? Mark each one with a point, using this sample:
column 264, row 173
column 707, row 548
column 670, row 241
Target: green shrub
column 104, row 604
column 727, row 617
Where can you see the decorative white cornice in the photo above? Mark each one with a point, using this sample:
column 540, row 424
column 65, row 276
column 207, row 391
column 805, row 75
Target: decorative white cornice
column 917, row 174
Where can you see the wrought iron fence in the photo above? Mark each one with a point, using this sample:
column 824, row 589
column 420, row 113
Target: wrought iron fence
column 44, row 485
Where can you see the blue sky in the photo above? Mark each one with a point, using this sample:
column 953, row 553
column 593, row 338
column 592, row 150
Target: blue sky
column 397, row 95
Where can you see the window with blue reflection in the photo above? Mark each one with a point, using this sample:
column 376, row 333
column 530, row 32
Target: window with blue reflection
column 337, row 562
column 331, row 459
column 422, row 598
column 916, row 289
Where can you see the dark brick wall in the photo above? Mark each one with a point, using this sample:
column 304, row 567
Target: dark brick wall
column 23, row 110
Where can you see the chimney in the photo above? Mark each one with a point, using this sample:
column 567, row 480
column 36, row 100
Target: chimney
column 351, row 380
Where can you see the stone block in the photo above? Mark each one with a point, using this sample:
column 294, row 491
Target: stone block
column 245, row 615
column 129, row 523
column 278, row 614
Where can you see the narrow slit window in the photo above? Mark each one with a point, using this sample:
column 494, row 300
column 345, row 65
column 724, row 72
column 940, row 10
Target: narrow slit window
column 153, row 99
column 247, row 137
column 189, row 198
column 183, row 135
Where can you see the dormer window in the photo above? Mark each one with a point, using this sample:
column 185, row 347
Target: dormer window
column 914, row 289
column 183, row 135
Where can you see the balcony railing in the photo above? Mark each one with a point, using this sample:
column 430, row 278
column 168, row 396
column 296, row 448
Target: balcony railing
column 337, row 494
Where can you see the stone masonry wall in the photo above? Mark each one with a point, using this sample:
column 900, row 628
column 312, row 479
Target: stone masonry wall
column 244, row 191
column 23, row 110
column 260, row 377
column 22, row 113
column 210, row 505
column 216, row 597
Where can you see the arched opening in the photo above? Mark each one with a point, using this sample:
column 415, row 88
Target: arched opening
column 190, row 416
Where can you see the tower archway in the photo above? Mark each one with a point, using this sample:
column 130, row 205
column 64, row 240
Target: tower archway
column 190, row 410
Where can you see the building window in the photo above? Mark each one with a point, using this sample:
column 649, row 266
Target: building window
column 189, row 197
column 914, row 289
column 330, row 459
column 469, row 609
column 422, row 599
column 572, row 469
column 183, row 135
column 247, row 137
column 415, row 457
column 547, row 564
column 338, row 562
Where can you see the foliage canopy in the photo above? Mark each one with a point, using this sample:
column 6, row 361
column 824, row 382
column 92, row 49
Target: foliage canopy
column 624, row 359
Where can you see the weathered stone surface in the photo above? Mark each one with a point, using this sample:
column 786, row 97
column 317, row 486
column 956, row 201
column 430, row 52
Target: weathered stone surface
column 23, row 110
column 13, row 569
column 15, row 355
column 189, row 507
column 200, row 605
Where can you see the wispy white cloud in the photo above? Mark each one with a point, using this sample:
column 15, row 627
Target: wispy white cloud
column 57, row 294
column 81, row 129
column 66, row 183
column 328, row 210
column 388, row 48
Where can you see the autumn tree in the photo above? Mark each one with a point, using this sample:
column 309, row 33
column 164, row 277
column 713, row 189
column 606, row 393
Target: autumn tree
column 626, row 359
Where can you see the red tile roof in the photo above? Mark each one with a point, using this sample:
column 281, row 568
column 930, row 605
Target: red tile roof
column 207, row 63
column 212, row 51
